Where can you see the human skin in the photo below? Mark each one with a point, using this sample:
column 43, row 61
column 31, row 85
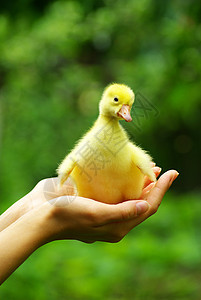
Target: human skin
column 41, row 217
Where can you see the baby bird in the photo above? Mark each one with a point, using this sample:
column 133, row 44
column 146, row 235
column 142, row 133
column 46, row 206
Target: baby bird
column 105, row 165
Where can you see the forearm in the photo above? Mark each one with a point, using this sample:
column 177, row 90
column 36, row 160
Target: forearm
column 19, row 240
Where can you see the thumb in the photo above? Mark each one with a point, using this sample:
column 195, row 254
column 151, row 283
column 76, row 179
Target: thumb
column 124, row 211
column 157, row 193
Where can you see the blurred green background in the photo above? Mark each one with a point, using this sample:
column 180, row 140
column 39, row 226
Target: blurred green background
column 56, row 57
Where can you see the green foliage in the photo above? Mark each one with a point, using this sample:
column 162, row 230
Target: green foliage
column 55, row 65
column 55, row 59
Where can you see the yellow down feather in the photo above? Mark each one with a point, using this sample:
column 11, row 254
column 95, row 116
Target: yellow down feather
column 105, row 165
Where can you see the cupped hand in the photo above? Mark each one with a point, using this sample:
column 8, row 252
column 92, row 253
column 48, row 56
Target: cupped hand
column 88, row 220
column 47, row 189
column 48, row 213
column 73, row 217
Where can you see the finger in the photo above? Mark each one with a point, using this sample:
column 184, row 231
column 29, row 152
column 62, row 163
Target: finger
column 154, row 198
column 98, row 213
column 110, row 213
column 156, row 194
column 153, row 164
column 146, row 190
column 157, row 171
column 49, row 188
column 68, row 188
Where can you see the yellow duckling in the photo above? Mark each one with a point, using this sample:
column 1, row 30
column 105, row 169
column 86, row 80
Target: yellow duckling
column 104, row 164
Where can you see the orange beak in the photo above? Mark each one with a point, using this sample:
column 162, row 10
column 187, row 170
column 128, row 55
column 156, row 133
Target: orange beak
column 124, row 113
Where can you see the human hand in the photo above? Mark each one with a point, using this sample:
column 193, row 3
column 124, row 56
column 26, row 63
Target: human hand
column 44, row 190
column 83, row 209
column 87, row 220
column 39, row 218
column 47, row 189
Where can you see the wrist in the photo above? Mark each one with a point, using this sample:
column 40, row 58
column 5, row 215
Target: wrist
column 39, row 222
column 57, row 223
column 46, row 219
column 13, row 213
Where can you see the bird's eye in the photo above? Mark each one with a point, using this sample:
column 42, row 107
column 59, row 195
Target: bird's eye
column 116, row 99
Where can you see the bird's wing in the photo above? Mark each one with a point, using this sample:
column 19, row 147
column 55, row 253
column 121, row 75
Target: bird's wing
column 65, row 168
column 142, row 160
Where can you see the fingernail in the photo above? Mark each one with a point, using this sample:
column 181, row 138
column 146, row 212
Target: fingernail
column 173, row 178
column 177, row 174
column 158, row 170
column 141, row 207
